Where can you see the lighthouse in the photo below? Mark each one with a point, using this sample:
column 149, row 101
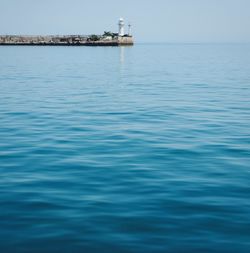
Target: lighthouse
column 121, row 27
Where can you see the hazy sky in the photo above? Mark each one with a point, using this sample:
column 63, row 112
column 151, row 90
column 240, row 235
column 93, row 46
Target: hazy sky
column 152, row 20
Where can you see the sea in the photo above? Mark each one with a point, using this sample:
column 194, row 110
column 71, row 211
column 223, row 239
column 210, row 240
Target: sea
column 142, row 149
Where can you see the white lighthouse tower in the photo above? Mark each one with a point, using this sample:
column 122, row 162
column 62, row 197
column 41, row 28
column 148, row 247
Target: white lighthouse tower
column 121, row 27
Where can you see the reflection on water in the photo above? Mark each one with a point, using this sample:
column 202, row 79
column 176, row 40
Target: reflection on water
column 121, row 54
column 130, row 149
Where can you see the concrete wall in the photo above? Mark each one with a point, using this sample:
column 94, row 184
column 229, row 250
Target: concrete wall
column 125, row 40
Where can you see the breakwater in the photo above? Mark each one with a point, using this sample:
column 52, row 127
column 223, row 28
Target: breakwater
column 107, row 39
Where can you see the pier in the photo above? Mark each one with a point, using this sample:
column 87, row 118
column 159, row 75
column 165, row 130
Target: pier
column 70, row 40
column 107, row 39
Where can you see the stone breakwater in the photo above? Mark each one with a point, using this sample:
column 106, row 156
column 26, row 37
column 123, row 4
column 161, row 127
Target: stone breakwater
column 67, row 40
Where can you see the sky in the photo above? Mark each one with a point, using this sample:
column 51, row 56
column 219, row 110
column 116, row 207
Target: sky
column 181, row 21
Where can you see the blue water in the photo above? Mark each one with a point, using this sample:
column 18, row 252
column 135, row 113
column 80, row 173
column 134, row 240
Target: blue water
column 137, row 149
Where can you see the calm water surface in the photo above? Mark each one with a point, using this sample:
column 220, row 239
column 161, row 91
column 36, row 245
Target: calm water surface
column 138, row 149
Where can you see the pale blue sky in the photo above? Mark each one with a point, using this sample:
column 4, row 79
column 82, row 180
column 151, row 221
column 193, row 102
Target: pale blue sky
column 152, row 20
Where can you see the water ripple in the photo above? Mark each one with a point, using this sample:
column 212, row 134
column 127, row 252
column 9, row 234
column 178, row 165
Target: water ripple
column 148, row 154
